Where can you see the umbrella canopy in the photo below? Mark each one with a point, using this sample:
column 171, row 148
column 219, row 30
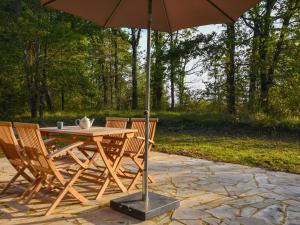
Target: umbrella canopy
column 167, row 16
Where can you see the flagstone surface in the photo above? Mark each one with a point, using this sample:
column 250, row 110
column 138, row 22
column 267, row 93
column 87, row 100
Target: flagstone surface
column 210, row 193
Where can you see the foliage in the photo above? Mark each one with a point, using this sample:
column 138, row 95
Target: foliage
column 53, row 61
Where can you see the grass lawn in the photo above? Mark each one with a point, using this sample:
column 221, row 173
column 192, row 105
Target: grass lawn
column 280, row 155
column 258, row 141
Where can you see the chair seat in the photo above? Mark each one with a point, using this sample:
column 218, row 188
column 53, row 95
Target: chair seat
column 92, row 148
column 65, row 162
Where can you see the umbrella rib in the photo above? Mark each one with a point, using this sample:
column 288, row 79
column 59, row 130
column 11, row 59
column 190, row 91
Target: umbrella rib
column 167, row 15
column 49, row 2
column 112, row 13
column 220, row 10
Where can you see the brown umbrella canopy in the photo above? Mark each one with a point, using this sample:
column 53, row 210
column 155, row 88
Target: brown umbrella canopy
column 168, row 15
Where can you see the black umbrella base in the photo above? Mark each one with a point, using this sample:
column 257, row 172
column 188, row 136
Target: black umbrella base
column 134, row 206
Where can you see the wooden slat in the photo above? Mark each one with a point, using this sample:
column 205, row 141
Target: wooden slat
column 117, row 119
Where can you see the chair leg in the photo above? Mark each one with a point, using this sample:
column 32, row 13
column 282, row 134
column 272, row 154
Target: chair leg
column 135, row 179
column 68, row 188
column 115, row 167
column 27, row 177
column 12, row 181
column 103, row 188
column 151, row 179
column 35, row 190
column 77, row 195
column 87, row 156
column 139, row 173
column 30, row 189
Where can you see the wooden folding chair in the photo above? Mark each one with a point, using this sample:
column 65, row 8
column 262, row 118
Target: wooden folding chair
column 43, row 162
column 135, row 150
column 112, row 122
column 14, row 154
column 116, row 145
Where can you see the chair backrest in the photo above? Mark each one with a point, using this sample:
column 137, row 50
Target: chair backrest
column 33, row 145
column 116, row 122
column 134, row 145
column 139, row 124
column 10, row 145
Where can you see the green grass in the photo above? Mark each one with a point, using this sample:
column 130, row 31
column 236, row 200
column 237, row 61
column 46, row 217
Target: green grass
column 269, row 153
column 255, row 140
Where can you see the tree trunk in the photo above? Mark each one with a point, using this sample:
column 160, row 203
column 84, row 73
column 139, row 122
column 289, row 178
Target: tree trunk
column 158, row 72
column 42, row 105
column 252, row 78
column 172, row 73
column 111, row 86
column 116, row 70
column 105, row 87
column 263, row 52
column 45, row 90
column 103, row 79
column 27, row 72
column 181, row 84
column 62, row 97
column 49, row 101
column 43, row 81
column 37, row 73
column 18, row 7
column 253, row 70
column 230, row 69
column 135, row 37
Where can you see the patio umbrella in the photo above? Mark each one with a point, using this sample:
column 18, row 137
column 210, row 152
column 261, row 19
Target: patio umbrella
column 160, row 15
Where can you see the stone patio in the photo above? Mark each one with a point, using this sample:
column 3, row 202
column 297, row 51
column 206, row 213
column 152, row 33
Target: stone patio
column 211, row 193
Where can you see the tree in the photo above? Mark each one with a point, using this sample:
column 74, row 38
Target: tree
column 230, row 68
column 173, row 41
column 134, row 41
column 158, row 72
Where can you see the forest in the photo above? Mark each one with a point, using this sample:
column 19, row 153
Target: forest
column 51, row 61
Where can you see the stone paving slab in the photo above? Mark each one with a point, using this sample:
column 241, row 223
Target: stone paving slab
column 210, row 193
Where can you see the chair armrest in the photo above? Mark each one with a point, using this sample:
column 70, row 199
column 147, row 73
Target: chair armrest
column 142, row 138
column 49, row 141
column 64, row 150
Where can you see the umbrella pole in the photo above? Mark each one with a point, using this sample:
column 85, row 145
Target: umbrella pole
column 145, row 205
column 145, row 192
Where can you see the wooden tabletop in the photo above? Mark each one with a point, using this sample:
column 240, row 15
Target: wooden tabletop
column 92, row 132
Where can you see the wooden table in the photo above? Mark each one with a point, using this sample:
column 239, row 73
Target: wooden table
column 94, row 136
